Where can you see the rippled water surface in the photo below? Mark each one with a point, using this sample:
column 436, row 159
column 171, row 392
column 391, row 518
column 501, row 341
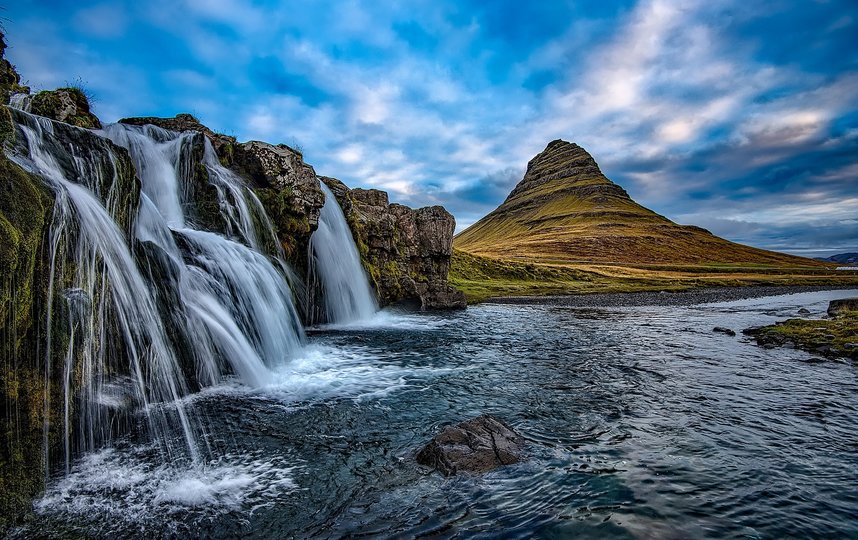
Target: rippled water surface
column 640, row 421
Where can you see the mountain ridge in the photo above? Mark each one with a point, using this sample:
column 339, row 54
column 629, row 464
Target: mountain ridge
column 565, row 210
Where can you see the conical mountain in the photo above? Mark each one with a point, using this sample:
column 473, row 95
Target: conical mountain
column 565, row 210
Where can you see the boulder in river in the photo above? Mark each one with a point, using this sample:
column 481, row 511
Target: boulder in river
column 478, row 445
column 836, row 307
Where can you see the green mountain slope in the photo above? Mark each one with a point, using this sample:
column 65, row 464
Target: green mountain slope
column 565, row 210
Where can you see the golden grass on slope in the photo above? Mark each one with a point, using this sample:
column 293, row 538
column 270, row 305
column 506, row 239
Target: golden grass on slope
column 483, row 277
column 565, row 210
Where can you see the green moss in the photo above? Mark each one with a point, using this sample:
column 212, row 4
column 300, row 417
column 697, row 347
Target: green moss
column 836, row 337
column 290, row 223
column 226, row 154
column 7, row 127
column 25, row 207
column 54, row 104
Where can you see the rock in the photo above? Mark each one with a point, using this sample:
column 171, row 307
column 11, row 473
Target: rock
column 10, row 80
column 723, row 330
column 836, row 307
column 476, row 446
column 406, row 251
column 280, row 168
column 69, row 105
column 804, row 311
column 287, row 187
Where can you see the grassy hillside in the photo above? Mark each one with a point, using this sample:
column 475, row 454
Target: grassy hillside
column 566, row 211
column 483, row 277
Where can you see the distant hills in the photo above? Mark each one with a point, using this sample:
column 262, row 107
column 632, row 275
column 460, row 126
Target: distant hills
column 843, row 258
column 565, row 210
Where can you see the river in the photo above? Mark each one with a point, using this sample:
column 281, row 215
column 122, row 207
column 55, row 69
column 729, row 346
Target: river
column 640, row 422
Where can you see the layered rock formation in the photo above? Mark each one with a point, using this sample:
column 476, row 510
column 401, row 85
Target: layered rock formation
column 406, row 251
column 566, row 210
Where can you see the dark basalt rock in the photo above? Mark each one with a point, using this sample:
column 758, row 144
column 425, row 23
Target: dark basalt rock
column 722, row 330
column 406, row 251
column 475, row 446
column 836, row 307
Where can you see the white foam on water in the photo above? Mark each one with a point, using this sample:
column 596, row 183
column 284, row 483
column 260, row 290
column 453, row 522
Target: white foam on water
column 323, row 373
column 131, row 486
column 390, row 320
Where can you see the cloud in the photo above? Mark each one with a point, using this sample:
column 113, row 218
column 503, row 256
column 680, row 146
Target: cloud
column 698, row 109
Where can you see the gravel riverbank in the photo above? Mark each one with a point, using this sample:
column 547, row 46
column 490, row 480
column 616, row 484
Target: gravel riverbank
column 661, row 298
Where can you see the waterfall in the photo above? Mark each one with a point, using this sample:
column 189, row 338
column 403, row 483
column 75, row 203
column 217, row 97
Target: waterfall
column 335, row 262
column 143, row 305
column 20, row 101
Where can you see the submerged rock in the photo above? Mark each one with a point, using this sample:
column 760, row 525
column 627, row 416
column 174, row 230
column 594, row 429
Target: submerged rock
column 722, row 330
column 836, row 307
column 804, row 311
column 477, row 445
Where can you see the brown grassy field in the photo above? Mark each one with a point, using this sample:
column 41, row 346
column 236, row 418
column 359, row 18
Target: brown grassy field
column 567, row 229
column 483, row 277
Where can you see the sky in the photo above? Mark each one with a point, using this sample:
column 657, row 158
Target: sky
column 740, row 117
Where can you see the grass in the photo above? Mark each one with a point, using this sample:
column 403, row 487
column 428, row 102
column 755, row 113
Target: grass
column 483, row 277
column 565, row 211
column 831, row 337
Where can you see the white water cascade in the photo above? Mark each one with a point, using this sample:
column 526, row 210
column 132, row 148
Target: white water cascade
column 335, row 261
column 140, row 318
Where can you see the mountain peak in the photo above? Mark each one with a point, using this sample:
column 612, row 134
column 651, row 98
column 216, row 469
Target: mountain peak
column 562, row 165
column 566, row 210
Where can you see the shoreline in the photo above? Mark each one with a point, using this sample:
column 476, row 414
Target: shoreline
column 688, row 297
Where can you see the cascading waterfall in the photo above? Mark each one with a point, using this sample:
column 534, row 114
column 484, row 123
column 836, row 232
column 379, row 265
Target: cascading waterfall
column 141, row 317
column 335, row 261
column 20, row 101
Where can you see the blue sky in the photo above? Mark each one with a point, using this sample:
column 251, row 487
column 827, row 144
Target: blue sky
column 741, row 117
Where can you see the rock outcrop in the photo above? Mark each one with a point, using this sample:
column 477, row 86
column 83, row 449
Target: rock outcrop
column 10, row 80
column 476, row 446
column 836, row 307
column 406, row 251
column 69, row 105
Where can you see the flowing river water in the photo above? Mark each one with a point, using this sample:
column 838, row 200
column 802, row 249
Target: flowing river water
column 640, row 423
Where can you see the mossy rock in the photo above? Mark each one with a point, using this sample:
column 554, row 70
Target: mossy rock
column 69, row 105
column 25, row 209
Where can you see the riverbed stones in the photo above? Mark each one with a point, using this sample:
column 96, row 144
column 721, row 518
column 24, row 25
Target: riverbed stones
column 836, row 307
column 478, row 445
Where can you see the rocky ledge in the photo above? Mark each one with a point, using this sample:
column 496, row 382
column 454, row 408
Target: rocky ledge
column 836, row 337
column 405, row 251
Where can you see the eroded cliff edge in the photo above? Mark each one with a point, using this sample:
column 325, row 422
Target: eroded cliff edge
column 405, row 251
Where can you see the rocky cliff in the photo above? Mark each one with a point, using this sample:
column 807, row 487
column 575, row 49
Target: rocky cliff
column 405, row 251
